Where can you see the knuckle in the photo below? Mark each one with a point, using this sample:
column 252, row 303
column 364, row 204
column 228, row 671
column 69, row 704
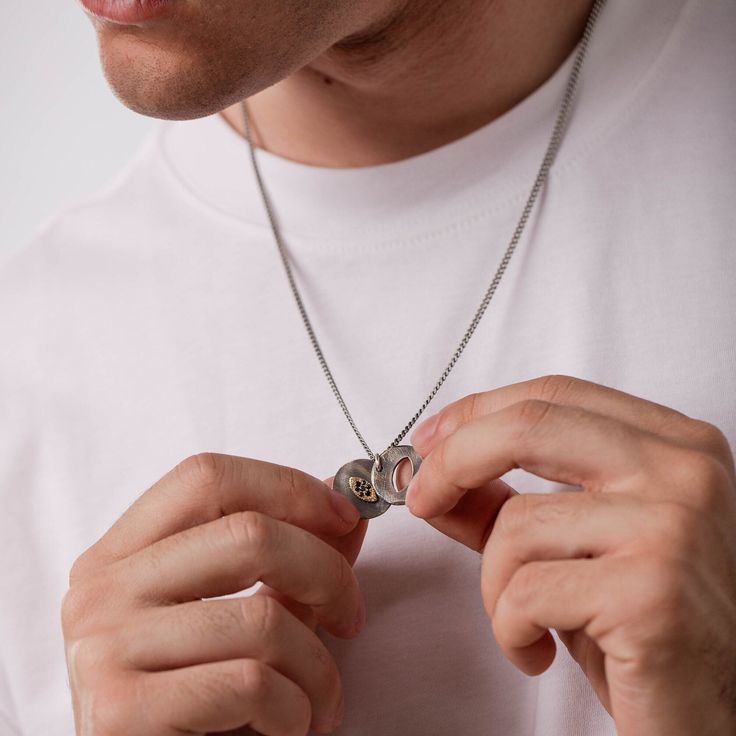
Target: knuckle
column 108, row 710
column 678, row 526
column 250, row 531
column 262, row 614
column 255, row 684
column 79, row 568
column 712, row 440
column 457, row 414
column 88, row 655
column 203, row 470
column 80, row 605
column 530, row 417
column 254, row 679
column 556, row 388
column 471, row 407
column 525, row 586
column 702, row 476
column 447, row 422
column 291, row 482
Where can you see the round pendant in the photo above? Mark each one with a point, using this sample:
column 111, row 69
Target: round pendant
column 353, row 480
column 384, row 480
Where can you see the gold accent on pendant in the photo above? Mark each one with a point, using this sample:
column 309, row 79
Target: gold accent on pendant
column 363, row 490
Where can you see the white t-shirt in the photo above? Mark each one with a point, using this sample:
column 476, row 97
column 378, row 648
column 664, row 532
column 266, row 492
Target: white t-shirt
column 154, row 321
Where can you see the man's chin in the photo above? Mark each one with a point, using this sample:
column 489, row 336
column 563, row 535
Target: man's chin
column 177, row 83
column 208, row 55
column 165, row 99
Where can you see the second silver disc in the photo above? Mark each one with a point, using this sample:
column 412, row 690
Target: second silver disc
column 383, row 479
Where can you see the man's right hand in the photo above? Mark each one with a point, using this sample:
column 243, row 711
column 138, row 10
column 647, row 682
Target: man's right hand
column 148, row 656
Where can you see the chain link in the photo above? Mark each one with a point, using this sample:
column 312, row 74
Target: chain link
column 563, row 117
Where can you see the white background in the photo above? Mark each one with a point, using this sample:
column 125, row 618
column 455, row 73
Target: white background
column 62, row 132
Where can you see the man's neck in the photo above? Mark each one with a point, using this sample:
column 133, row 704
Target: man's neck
column 432, row 73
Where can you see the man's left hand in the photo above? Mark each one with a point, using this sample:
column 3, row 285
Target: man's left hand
column 637, row 573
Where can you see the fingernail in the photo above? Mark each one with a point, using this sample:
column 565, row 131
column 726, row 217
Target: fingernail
column 343, row 508
column 425, row 431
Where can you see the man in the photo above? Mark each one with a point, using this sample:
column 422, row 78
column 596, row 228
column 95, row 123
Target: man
column 154, row 323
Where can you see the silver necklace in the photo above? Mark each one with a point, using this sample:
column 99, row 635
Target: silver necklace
column 371, row 484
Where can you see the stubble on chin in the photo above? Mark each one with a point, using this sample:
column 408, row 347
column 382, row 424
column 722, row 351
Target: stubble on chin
column 202, row 64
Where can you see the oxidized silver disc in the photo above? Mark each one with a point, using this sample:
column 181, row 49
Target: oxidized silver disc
column 383, row 479
column 353, row 480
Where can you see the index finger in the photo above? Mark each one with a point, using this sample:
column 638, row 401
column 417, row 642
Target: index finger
column 208, row 486
column 639, row 413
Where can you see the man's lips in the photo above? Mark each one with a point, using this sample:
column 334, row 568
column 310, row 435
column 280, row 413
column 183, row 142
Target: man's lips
column 127, row 11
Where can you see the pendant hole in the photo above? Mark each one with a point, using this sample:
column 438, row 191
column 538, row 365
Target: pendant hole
column 403, row 473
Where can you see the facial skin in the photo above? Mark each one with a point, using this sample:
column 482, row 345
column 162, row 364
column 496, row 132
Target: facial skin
column 210, row 53
column 342, row 82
